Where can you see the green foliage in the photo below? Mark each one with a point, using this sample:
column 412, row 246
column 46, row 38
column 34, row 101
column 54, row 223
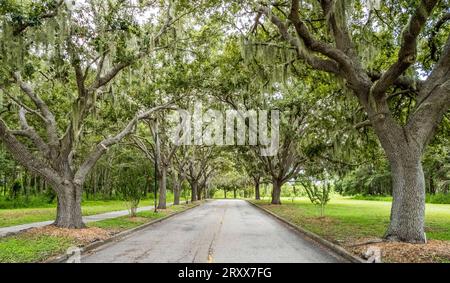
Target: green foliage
column 365, row 181
column 26, row 202
column 131, row 183
column 439, row 198
column 349, row 219
column 318, row 194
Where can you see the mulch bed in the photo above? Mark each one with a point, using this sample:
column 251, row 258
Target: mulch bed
column 81, row 236
column 432, row 251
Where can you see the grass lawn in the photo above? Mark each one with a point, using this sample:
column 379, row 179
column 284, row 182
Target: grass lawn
column 11, row 217
column 124, row 223
column 32, row 248
column 348, row 220
column 40, row 244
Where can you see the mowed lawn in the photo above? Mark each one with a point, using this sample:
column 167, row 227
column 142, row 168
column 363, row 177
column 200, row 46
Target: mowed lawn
column 347, row 219
column 12, row 217
column 40, row 244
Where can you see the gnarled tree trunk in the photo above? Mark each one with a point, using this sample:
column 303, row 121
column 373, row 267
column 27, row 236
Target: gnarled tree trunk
column 408, row 206
column 276, row 192
column 68, row 212
column 404, row 153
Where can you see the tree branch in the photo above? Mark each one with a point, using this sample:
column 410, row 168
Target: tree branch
column 52, row 132
column 26, row 158
column 102, row 147
column 314, row 61
column 408, row 49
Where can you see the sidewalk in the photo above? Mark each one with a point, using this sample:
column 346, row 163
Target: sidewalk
column 4, row 231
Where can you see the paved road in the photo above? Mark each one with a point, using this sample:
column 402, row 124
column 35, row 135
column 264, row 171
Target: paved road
column 217, row 231
column 4, row 231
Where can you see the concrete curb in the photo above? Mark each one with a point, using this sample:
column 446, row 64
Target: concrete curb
column 119, row 236
column 335, row 248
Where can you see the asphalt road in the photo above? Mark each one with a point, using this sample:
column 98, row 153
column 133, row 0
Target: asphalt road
column 218, row 231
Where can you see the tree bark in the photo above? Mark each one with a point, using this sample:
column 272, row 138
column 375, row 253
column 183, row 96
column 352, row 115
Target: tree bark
column 404, row 154
column 162, row 183
column 194, row 186
column 199, row 192
column 257, row 195
column 68, row 212
column 408, row 206
column 276, row 192
column 176, row 192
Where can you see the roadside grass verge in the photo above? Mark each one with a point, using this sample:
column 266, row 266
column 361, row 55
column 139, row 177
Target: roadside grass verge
column 31, row 247
column 41, row 244
column 439, row 198
column 348, row 221
column 120, row 224
column 12, row 217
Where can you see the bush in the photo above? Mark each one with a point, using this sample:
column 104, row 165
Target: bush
column 131, row 185
column 25, row 202
column 439, row 198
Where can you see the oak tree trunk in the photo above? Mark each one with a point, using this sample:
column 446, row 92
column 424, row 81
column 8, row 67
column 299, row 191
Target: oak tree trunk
column 257, row 196
column 162, row 183
column 68, row 212
column 407, row 222
column 408, row 207
column 194, row 186
column 176, row 192
column 276, row 192
column 199, row 192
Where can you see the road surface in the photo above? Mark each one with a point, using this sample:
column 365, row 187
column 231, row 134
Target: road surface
column 5, row 231
column 218, row 231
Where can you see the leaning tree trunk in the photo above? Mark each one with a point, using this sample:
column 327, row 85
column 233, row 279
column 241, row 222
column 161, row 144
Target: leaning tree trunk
column 68, row 212
column 162, row 188
column 257, row 196
column 276, row 192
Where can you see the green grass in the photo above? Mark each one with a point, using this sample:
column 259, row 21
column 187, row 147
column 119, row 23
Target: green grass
column 26, row 247
column 31, row 248
column 11, row 217
column 439, row 198
column 347, row 219
column 125, row 222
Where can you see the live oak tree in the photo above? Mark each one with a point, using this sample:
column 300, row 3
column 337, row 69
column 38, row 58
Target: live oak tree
column 161, row 149
column 335, row 36
column 67, row 57
column 197, row 165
